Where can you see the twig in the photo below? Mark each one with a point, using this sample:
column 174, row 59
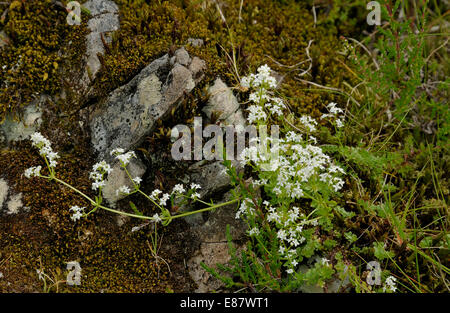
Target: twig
column 329, row 88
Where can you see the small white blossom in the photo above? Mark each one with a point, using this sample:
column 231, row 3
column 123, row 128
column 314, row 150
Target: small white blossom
column 254, row 231
column 178, row 189
column 195, row 186
column 125, row 158
column 137, row 180
column 156, row 218
column 123, row 190
column 390, row 283
column 33, row 171
column 164, row 199
column 77, row 212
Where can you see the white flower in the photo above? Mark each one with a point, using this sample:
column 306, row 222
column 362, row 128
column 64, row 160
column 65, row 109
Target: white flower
column 117, row 151
column 45, row 149
column 33, row 171
column 98, row 172
column 98, row 184
column 324, row 261
column 333, row 109
column 164, row 199
column 195, row 186
column 308, row 122
column 123, row 190
column 77, row 212
column 137, row 180
column 391, row 283
column 281, row 234
column 178, row 189
column 290, row 271
column 155, row 193
column 254, row 231
column 195, row 195
column 156, row 218
column 256, row 113
column 126, row 157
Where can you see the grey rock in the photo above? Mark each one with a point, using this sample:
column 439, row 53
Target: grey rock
column 3, row 192
column 14, row 130
column 224, row 104
column 214, row 245
column 212, row 177
column 214, row 229
column 197, row 68
column 119, row 177
column 131, row 111
column 104, row 20
column 195, row 42
column 182, row 57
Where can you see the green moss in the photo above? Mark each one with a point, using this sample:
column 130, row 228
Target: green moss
column 31, row 62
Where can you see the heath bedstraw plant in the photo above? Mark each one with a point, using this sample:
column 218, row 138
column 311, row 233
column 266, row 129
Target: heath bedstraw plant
column 283, row 226
column 98, row 175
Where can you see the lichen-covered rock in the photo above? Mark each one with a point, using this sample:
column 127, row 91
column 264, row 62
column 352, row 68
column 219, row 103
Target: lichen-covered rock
column 223, row 104
column 119, row 177
column 3, row 192
column 212, row 177
column 104, row 20
column 131, row 111
column 14, row 130
column 214, row 245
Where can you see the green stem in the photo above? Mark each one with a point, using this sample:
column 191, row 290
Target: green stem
column 206, row 209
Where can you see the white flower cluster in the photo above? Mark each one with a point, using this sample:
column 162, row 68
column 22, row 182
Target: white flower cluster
column 309, row 123
column 45, row 149
column 299, row 164
column 98, row 174
column 262, row 82
column 123, row 157
column 77, row 212
column 123, row 190
column 390, row 283
column 33, row 171
column 334, row 113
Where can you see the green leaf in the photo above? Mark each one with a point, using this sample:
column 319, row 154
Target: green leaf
column 135, row 210
column 380, row 253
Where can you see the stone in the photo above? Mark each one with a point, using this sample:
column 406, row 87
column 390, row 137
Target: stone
column 182, row 57
column 119, row 177
column 214, row 245
column 195, row 42
column 14, row 130
column 131, row 111
column 14, row 204
column 3, row 192
column 212, row 177
column 224, row 104
column 104, row 20
column 214, row 229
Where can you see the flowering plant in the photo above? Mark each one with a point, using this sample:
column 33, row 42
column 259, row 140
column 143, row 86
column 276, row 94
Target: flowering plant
column 297, row 191
column 100, row 172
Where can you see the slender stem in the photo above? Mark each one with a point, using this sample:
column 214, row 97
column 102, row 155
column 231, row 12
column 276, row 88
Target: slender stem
column 206, row 209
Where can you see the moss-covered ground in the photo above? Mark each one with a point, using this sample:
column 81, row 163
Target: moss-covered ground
column 263, row 31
